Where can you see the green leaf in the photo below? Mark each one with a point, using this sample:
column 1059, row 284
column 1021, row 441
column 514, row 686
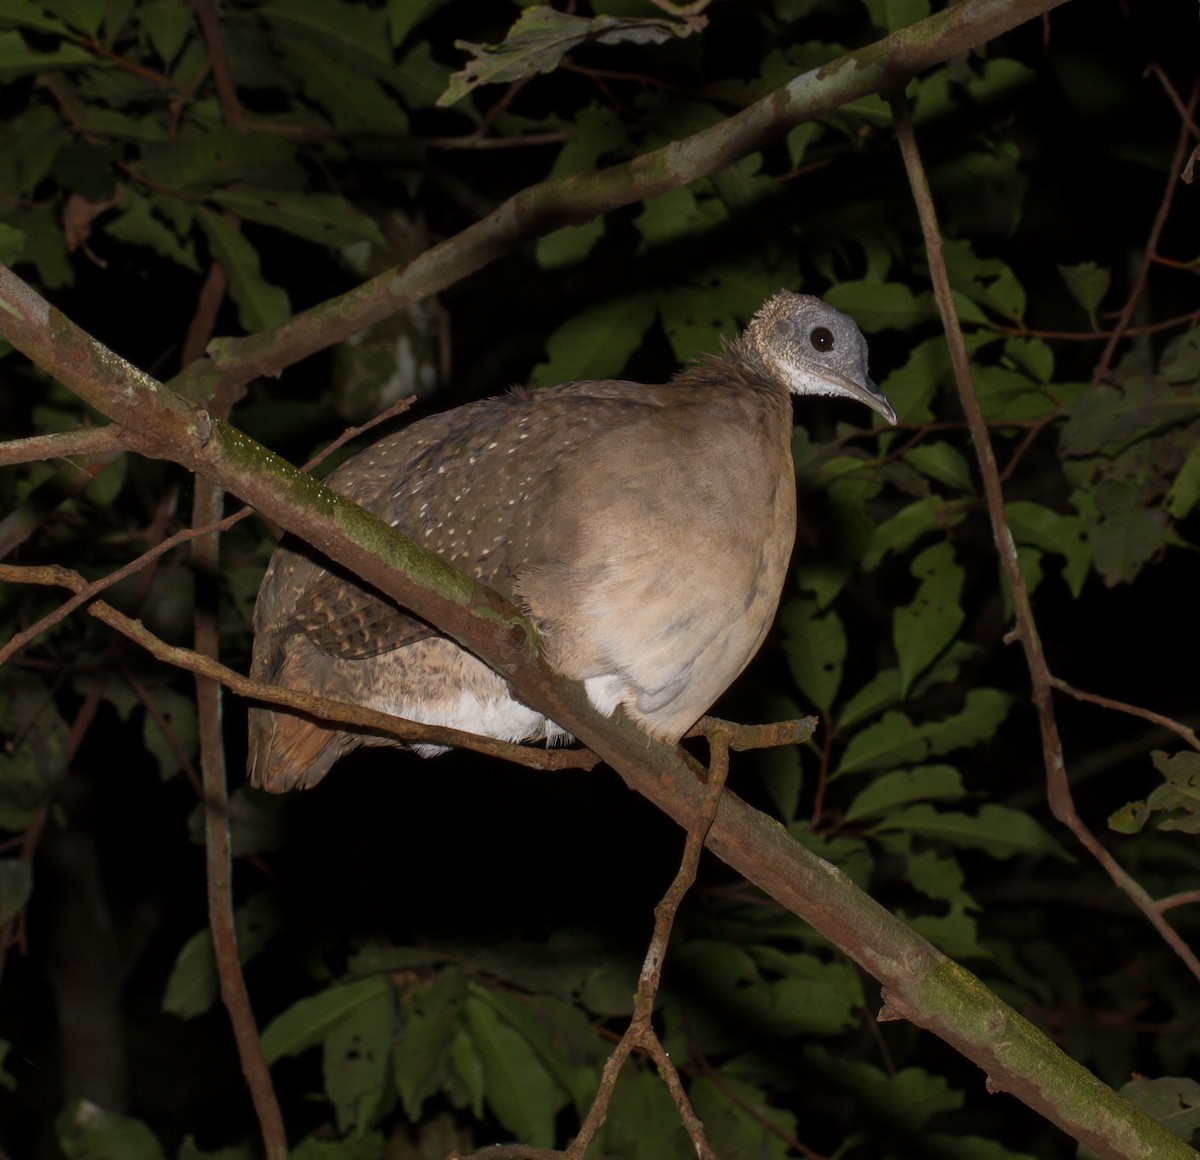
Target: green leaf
column 1122, row 533
column 355, row 1061
column 922, row 629
column 980, row 717
column 87, row 1132
column 349, row 29
column 516, row 1084
column 199, row 159
column 890, row 15
column 1088, row 283
column 1108, row 418
column 997, row 830
column 139, row 225
column 1184, row 492
column 988, row 281
column 17, row 58
column 815, row 647
column 369, row 1146
column 942, row 463
column 12, row 242
column 1174, row 1101
column 881, row 692
column 430, row 1021
column 192, row 987
column 168, row 24
column 404, row 15
column 169, row 730
column 596, row 343
column 541, row 37
column 306, row 1023
column 907, row 526
column 921, row 783
column 739, row 1119
column 323, row 218
column 16, row 885
column 261, row 306
column 891, row 741
column 1033, row 523
column 879, row 306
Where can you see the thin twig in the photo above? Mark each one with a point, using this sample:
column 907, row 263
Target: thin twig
column 210, row 28
column 359, row 717
column 1188, row 734
column 1058, row 787
column 60, row 445
column 1156, row 229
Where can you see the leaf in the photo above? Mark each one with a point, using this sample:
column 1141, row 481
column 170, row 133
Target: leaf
column 1036, row 524
column 261, row 306
column 16, row 885
column 16, row 57
column 516, row 1084
column 988, row 281
column 348, row 29
column 355, row 1061
column 922, row 629
column 891, row 15
column 982, row 712
column 815, row 647
column 138, row 225
column 88, row 1132
column 323, row 218
column 430, row 1020
column 1107, row 418
column 541, row 37
column 907, row 526
column 997, row 830
column 942, row 463
column 1123, row 534
column 167, row 24
column 596, row 343
column 404, row 15
column 921, row 783
column 1088, row 283
column 739, row 1119
column 879, row 306
column 893, row 740
column 879, row 693
column 192, row 987
column 169, row 730
column 1184, row 492
column 1174, row 1101
column 306, row 1023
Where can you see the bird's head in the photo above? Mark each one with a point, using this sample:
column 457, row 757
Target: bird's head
column 813, row 349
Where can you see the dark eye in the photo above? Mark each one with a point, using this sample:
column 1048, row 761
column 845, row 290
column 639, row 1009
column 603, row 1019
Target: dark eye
column 821, row 338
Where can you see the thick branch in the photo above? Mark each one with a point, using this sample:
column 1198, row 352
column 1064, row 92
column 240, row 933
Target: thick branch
column 582, row 197
column 923, row 984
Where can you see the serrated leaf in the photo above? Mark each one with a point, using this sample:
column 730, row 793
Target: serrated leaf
column 922, row 629
column 921, row 783
column 879, row 306
column 517, row 1086
column 1088, row 283
column 908, row 525
column 815, row 647
column 1107, row 418
column 891, row 741
column 167, row 23
column 16, row 57
column 345, row 28
column 261, row 306
column 306, row 1023
column 1036, row 524
column 541, row 37
column 997, row 830
column 942, row 463
column 431, row 1020
column 881, row 692
column 192, row 987
column 323, row 218
column 169, row 730
column 596, row 343
column 982, row 712
column 354, row 1061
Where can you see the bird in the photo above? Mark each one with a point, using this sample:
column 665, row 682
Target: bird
column 645, row 530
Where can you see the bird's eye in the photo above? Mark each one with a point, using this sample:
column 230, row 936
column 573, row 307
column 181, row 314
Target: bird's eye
column 821, row 338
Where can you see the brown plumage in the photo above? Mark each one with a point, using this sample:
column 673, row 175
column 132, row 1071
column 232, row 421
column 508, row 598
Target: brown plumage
column 646, row 530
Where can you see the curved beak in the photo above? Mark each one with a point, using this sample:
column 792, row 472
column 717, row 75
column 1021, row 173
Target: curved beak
column 866, row 392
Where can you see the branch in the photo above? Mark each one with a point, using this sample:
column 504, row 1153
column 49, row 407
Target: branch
column 582, row 197
column 929, row 988
column 1058, row 786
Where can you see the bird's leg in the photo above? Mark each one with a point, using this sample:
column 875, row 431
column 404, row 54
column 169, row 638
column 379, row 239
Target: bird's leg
column 743, row 737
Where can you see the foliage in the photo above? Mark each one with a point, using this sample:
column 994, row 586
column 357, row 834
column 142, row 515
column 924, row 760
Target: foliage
column 440, row 955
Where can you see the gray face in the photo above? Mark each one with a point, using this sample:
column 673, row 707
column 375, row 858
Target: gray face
column 815, row 350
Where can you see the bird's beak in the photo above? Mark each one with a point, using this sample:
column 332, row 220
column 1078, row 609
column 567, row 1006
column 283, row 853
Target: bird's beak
column 865, row 391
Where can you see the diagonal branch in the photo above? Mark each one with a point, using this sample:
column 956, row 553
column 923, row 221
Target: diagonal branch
column 929, row 988
column 1058, row 786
